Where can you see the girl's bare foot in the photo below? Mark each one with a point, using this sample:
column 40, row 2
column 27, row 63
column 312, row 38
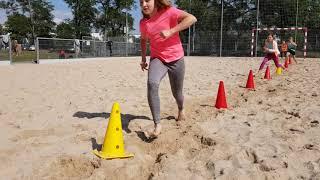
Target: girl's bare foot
column 181, row 116
column 154, row 132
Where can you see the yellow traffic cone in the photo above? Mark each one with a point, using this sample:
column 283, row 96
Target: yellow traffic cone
column 113, row 145
column 279, row 71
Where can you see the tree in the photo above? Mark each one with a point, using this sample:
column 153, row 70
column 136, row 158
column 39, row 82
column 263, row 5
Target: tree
column 38, row 13
column 83, row 16
column 65, row 30
column 237, row 20
column 18, row 25
column 42, row 18
column 112, row 19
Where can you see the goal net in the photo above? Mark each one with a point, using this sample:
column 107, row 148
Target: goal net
column 299, row 35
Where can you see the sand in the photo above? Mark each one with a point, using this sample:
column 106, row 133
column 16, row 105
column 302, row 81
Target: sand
column 53, row 115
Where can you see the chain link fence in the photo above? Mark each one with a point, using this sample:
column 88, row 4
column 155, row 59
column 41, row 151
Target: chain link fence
column 55, row 48
column 224, row 27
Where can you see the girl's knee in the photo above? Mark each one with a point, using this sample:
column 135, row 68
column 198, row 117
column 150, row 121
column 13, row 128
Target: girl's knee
column 153, row 84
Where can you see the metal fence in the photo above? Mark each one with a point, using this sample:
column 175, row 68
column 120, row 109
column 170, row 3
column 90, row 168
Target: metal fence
column 224, row 27
column 55, row 48
column 5, row 48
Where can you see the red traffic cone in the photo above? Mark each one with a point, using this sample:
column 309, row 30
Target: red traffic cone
column 267, row 74
column 250, row 82
column 286, row 63
column 221, row 101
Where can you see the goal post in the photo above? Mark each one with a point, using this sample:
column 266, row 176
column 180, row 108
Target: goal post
column 255, row 31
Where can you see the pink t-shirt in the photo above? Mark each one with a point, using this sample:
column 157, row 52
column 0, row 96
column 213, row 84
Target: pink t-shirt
column 167, row 50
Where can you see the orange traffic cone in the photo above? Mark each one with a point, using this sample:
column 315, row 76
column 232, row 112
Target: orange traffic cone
column 267, row 74
column 250, row 82
column 221, row 101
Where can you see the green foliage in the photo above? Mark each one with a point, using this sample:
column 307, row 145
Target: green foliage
column 38, row 14
column 112, row 17
column 84, row 15
column 18, row 25
column 43, row 18
column 1, row 29
column 65, row 30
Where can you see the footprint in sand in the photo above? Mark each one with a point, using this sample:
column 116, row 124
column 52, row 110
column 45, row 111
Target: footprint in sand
column 66, row 167
column 27, row 134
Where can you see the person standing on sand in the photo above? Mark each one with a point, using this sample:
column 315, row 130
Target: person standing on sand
column 272, row 52
column 160, row 25
column 292, row 49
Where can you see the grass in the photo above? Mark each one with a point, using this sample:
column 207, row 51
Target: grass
column 4, row 55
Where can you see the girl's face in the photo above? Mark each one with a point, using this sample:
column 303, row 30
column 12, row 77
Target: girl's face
column 270, row 38
column 147, row 7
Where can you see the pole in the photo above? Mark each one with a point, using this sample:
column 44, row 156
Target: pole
column 38, row 50
column 127, row 32
column 32, row 22
column 221, row 27
column 295, row 35
column 257, row 32
column 194, row 32
column 10, row 49
column 189, row 33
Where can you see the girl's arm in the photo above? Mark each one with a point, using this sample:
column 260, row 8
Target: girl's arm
column 143, row 44
column 185, row 19
column 294, row 43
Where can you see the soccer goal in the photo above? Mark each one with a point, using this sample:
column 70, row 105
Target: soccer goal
column 282, row 34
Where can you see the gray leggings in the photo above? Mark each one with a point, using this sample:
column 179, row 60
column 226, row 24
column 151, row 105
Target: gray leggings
column 157, row 71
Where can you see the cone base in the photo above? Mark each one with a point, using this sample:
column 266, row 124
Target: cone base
column 221, row 107
column 108, row 156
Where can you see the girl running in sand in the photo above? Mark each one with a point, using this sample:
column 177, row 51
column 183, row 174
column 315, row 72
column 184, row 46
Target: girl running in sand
column 292, row 49
column 160, row 26
column 272, row 52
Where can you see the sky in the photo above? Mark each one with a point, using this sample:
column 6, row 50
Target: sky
column 62, row 11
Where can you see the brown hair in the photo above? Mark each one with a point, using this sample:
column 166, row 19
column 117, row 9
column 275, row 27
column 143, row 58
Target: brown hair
column 159, row 4
column 162, row 4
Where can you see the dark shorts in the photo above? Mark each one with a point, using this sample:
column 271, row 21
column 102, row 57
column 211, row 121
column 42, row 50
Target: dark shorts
column 292, row 51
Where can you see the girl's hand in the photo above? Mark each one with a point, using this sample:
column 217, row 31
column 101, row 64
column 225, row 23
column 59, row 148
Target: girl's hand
column 166, row 33
column 143, row 65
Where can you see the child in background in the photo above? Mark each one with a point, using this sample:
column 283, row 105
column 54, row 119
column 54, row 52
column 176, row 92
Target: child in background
column 271, row 52
column 284, row 49
column 292, row 49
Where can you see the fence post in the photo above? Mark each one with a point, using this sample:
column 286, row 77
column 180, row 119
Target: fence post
column 221, row 27
column 297, row 13
column 189, row 33
column 193, row 34
column 257, row 31
column 38, row 50
column 94, row 47
column 10, row 50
